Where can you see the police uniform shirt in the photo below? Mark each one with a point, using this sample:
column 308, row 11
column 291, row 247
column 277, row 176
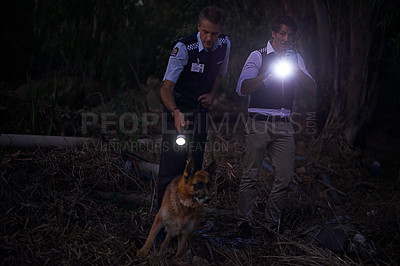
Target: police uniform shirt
column 179, row 58
column 251, row 70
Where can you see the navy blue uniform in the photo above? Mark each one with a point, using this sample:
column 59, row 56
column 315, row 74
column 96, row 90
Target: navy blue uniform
column 193, row 69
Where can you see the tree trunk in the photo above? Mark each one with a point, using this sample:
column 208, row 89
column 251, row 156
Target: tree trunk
column 324, row 39
column 353, row 94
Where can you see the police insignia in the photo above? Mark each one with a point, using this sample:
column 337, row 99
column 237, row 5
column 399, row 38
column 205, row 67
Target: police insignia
column 175, row 51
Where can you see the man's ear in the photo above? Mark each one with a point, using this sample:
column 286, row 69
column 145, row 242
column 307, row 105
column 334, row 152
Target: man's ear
column 211, row 168
column 189, row 169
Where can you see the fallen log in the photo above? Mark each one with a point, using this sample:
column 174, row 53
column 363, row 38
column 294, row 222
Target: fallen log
column 149, row 170
column 28, row 141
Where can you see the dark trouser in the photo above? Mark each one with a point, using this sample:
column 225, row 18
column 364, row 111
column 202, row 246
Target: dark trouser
column 173, row 158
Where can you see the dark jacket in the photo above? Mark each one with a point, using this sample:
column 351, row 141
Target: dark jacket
column 278, row 94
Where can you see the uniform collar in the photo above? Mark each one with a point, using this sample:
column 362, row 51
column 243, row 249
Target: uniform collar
column 201, row 47
column 270, row 48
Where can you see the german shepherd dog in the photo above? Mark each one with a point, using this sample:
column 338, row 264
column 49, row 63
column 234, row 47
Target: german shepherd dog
column 181, row 207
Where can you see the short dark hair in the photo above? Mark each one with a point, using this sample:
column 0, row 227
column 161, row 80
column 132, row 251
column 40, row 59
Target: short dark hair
column 212, row 14
column 288, row 21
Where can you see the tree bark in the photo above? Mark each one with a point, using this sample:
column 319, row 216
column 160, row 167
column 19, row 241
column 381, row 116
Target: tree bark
column 352, row 91
column 324, row 39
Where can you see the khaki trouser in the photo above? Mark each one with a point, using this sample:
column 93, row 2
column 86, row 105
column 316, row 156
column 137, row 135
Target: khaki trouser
column 278, row 139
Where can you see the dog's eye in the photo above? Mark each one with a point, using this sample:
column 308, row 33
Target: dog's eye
column 198, row 186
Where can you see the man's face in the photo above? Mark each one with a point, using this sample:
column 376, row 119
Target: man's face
column 283, row 38
column 209, row 33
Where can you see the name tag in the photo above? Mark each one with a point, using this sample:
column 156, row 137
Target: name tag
column 196, row 67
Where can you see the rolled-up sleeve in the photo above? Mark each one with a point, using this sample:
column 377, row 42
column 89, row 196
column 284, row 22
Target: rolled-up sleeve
column 177, row 61
column 250, row 70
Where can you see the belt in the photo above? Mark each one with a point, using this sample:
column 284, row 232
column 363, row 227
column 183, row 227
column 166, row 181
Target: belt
column 270, row 118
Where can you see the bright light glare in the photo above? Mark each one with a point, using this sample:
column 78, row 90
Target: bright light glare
column 283, row 69
column 180, row 140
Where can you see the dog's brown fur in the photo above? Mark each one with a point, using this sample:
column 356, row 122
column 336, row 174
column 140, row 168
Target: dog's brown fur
column 181, row 207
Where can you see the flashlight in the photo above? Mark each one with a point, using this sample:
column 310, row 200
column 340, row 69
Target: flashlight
column 180, row 139
column 283, row 68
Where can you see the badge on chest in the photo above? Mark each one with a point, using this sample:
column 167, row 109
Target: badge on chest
column 197, row 67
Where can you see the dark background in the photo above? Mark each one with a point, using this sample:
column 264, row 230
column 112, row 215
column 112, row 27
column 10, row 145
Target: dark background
column 58, row 55
column 62, row 60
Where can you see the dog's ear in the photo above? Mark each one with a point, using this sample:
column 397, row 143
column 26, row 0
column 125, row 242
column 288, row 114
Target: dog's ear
column 189, row 169
column 211, row 168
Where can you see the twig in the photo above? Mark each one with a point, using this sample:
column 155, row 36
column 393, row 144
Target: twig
column 333, row 188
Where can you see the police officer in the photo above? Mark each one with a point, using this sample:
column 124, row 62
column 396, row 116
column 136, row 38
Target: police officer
column 192, row 78
column 268, row 125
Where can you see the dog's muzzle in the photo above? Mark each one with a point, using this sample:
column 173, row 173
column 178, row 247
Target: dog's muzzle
column 203, row 201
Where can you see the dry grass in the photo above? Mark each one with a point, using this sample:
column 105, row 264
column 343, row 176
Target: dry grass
column 56, row 208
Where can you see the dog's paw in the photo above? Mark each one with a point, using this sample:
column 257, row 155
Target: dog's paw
column 141, row 253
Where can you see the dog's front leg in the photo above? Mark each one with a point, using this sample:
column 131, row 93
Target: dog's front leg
column 181, row 243
column 155, row 229
column 166, row 241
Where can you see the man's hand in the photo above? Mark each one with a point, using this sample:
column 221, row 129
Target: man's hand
column 291, row 56
column 268, row 77
column 206, row 99
column 179, row 120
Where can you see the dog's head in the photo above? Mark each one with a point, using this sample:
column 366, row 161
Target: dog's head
column 198, row 183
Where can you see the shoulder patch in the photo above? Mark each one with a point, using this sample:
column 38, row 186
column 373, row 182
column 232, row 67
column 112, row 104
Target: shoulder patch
column 175, row 51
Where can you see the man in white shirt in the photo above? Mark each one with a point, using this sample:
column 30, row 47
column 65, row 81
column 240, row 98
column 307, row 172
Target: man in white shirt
column 268, row 126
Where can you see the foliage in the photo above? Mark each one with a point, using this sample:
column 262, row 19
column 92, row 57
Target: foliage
column 121, row 43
